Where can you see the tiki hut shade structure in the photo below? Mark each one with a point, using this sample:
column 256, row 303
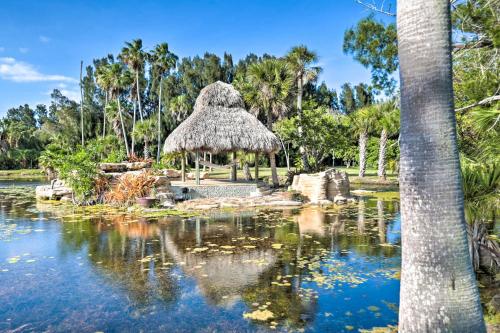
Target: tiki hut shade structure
column 220, row 123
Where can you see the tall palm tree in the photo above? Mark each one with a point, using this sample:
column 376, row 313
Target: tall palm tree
column 162, row 61
column 134, row 57
column 268, row 90
column 388, row 124
column 133, row 100
column 438, row 286
column 120, row 78
column 300, row 60
column 103, row 79
column 363, row 120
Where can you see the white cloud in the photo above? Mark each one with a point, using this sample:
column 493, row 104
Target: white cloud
column 44, row 39
column 74, row 95
column 18, row 71
column 23, row 49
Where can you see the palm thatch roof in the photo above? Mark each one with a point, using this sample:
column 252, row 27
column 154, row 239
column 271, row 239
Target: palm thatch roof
column 220, row 123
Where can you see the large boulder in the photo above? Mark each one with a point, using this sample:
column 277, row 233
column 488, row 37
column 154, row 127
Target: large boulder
column 171, row 173
column 192, row 175
column 113, row 167
column 161, row 181
column 324, row 187
column 138, row 165
column 55, row 191
column 124, row 166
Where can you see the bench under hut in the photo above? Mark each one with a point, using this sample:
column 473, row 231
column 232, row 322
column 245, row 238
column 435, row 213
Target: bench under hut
column 220, row 124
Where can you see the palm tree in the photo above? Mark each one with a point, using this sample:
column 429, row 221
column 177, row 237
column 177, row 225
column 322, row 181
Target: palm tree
column 268, row 90
column 363, row 120
column 162, row 61
column 134, row 57
column 179, row 108
column 438, row 286
column 300, row 59
column 145, row 130
column 113, row 116
column 119, row 79
column 133, row 100
column 104, row 81
column 388, row 123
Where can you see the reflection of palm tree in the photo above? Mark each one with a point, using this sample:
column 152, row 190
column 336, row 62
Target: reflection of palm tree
column 381, row 221
column 338, row 225
column 361, row 216
column 311, row 220
column 114, row 252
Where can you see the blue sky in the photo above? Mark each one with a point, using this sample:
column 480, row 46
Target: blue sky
column 42, row 42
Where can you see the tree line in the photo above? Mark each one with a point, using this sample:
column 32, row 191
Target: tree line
column 135, row 99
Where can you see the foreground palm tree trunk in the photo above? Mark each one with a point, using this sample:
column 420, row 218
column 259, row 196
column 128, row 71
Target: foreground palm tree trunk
column 438, row 286
column 363, row 139
column 381, row 154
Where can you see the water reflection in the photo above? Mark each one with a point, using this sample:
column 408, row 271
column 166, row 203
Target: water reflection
column 313, row 269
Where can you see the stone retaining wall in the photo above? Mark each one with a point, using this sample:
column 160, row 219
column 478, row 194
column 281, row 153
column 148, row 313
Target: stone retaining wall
column 213, row 191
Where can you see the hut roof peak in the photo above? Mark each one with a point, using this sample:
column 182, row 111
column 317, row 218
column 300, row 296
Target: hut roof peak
column 219, row 94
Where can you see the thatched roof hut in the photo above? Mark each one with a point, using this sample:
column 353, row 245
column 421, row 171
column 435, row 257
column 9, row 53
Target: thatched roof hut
column 220, row 123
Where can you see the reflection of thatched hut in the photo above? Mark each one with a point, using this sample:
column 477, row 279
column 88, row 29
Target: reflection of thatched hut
column 219, row 124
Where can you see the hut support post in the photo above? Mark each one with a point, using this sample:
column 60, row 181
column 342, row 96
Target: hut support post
column 197, row 168
column 256, row 167
column 183, row 168
column 233, row 168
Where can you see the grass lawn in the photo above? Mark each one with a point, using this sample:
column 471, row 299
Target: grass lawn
column 22, row 174
column 370, row 178
column 370, row 175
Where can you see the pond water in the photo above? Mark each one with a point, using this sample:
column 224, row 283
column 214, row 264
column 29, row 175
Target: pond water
column 310, row 270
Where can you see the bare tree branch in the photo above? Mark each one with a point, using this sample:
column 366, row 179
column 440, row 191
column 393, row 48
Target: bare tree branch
column 485, row 101
column 379, row 9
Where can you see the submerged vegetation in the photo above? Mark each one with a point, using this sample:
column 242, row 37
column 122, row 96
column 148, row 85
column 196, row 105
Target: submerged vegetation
column 264, row 269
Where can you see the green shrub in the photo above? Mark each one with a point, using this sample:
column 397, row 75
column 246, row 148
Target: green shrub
column 79, row 171
column 170, row 161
